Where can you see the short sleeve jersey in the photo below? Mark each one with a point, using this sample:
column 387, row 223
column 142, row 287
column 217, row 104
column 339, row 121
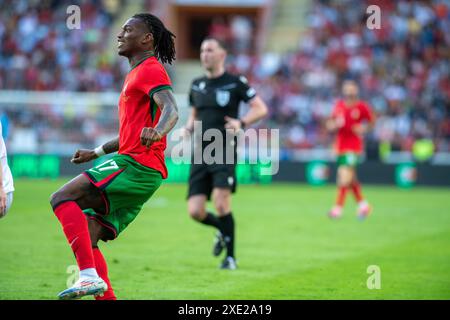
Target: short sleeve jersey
column 137, row 109
column 347, row 140
column 219, row 97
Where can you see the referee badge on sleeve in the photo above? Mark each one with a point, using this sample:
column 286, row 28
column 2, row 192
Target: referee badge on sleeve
column 222, row 97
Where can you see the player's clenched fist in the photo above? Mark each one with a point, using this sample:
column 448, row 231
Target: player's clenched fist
column 149, row 136
column 83, row 155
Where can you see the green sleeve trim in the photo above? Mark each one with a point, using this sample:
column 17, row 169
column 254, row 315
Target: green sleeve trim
column 153, row 105
column 159, row 88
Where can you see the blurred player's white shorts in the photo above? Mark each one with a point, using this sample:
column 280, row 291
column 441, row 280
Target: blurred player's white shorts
column 9, row 201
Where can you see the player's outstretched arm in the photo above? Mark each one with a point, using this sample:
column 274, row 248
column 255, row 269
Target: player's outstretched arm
column 85, row 155
column 168, row 119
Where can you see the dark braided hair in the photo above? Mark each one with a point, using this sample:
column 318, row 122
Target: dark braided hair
column 163, row 38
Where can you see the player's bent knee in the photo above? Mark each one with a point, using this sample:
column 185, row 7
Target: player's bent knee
column 222, row 206
column 343, row 182
column 344, row 177
column 54, row 198
column 196, row 208
column 57, row 198
column 222, row 210
column 197, row 214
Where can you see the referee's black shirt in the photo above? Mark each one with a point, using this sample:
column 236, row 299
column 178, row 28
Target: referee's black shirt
column 219, row 97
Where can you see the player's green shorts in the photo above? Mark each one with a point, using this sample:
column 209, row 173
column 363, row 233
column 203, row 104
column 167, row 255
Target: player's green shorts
column 349, row 159
column 125, row 186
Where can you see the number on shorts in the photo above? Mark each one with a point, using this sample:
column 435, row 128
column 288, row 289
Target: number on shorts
column 108, row 165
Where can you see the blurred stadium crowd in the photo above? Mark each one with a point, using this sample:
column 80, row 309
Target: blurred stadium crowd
column 402, row 68
column 39, row 52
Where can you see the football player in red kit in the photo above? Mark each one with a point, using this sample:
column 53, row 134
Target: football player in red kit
column 351, row 119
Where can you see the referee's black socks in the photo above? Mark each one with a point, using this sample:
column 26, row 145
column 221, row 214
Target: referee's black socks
column 212, row 220
column 227, row 222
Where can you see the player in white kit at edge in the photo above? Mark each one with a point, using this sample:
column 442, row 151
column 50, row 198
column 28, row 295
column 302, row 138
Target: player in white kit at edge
column 6, row 179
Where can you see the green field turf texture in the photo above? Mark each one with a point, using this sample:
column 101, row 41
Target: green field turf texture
column 286, row 247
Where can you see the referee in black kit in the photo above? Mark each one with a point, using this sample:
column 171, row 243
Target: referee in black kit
column 214, row 100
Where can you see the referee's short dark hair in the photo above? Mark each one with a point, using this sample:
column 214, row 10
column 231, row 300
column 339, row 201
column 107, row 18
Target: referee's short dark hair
column 220, row 42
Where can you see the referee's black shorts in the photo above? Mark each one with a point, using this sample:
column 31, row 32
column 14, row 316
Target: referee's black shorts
column 204, row 178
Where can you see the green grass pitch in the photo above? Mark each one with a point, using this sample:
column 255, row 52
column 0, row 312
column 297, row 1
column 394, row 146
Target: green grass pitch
column 286, row 247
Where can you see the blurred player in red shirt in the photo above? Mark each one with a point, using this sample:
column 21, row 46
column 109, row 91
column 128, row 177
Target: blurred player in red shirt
column 351, row 119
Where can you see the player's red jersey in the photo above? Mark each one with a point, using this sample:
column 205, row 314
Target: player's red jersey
column 347, row 140
column 137, row 110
